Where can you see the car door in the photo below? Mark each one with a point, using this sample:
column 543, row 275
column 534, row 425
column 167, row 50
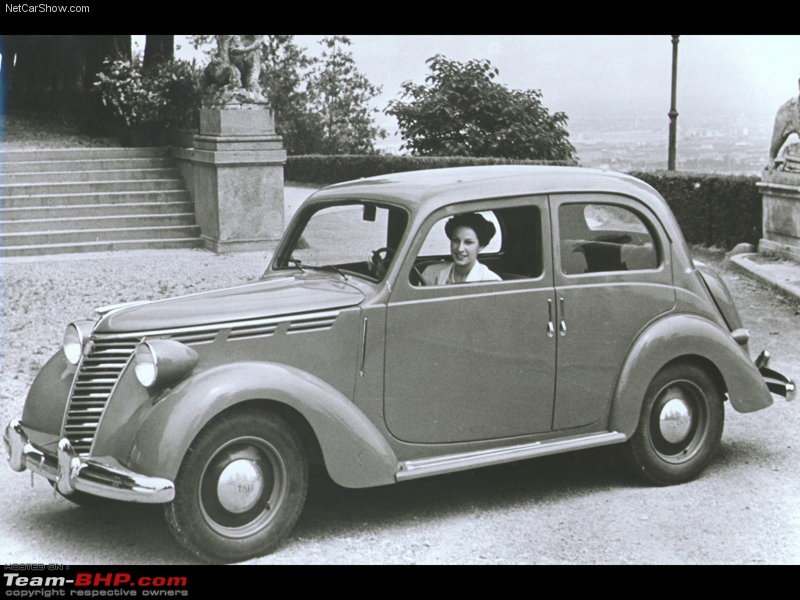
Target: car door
column 613, row 276
column 475, row 361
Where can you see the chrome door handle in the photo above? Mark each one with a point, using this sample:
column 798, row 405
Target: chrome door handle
column 551, row 330
column 562, row 324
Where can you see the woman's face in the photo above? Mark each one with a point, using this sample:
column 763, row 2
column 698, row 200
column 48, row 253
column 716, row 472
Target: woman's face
column 464, row 247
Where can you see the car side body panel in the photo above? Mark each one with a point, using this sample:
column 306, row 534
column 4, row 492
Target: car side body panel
column 685, row 336
column 355, row 453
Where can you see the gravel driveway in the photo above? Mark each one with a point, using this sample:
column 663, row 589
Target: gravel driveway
column 579, row 508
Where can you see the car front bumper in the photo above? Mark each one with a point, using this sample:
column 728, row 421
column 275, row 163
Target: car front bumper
column 98, row 476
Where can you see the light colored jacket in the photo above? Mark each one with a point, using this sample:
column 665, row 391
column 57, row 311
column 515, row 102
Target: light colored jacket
column 442, row 274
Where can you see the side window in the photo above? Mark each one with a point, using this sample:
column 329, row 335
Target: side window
column 600, row 238
column 514, row 251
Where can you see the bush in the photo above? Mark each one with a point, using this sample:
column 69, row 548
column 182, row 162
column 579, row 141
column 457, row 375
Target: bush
column 167, row 95
column 321, row 169
column 712, row 210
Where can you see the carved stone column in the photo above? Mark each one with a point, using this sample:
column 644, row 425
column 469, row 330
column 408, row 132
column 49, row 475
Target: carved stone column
column 238, row 162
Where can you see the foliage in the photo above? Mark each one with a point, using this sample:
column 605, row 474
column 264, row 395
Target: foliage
column 324, row 169
column 321, row 104
column 177, row 82
column 461, row 110
column 282, row 78
column 714, row 210
column 122, row 89
column 340, row 95
column 167, row 94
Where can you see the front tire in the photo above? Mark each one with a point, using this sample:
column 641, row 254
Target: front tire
column 680, row 426
column 240, row 489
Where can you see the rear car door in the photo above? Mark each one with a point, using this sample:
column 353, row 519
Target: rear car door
column 613, row 276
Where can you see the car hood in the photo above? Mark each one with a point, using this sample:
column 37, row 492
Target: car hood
column 268, row 298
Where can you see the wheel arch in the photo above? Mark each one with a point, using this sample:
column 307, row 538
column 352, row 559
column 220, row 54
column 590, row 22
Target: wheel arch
column 354, row 453
column 695, row 340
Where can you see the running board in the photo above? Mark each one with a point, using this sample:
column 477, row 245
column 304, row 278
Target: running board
column 450, row 463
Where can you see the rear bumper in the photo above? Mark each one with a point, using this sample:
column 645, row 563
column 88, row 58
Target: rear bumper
column 104, row 476
column 776, row 382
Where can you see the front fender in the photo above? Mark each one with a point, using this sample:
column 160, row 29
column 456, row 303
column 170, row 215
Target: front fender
column 685, row 336
column 355, row 453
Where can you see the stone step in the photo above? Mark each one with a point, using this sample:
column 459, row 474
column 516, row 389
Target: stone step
column 83, row 187
column 70, row 237
column 101, row 246
column 35, row 227
column 37, row 155
column 83, row 199
column 79, row 211
column 62, row 177
column 87, row 164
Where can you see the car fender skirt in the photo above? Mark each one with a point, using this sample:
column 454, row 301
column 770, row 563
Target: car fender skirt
column 692, row 338
column 354, row 451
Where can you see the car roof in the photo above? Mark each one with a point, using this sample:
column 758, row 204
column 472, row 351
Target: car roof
column 425, row 190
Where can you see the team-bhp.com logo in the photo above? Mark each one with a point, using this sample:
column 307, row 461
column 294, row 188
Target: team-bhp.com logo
column 95, row 585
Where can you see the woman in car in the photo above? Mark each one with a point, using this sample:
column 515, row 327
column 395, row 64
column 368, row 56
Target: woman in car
column 469, row 233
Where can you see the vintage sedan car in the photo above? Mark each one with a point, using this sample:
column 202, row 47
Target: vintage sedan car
column 597, row 328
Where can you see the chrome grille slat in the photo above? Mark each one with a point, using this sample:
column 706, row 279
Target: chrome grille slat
column 94, row 382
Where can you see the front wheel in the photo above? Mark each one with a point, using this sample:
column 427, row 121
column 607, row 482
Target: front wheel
column 680, row 426
column 240, row 489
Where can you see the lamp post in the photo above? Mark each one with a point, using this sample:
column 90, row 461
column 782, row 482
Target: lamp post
column 673, row 113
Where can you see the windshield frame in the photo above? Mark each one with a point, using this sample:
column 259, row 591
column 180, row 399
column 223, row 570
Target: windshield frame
column 398, row 223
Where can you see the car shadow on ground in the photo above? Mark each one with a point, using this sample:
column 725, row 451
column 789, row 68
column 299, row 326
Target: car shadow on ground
column 122, row 533
column 330, row 509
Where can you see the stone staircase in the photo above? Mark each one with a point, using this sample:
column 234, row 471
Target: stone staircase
column 91, row 200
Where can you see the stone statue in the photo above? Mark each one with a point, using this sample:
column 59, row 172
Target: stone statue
column 232, row 75
column 787, row 122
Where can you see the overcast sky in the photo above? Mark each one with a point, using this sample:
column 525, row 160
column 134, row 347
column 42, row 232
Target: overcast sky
column 587, row 75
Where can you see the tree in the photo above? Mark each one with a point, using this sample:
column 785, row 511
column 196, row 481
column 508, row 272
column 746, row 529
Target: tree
column 158, row 49
column 284, row 65
column 340, row 95
column 462, row 111
column 54, row 73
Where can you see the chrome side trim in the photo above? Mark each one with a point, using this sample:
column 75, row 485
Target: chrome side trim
column 450, row 463
column 103, row 477
column 297, row 321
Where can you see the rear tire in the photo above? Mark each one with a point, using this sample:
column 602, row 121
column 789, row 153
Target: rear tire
column 240, row 489
column 680, row 426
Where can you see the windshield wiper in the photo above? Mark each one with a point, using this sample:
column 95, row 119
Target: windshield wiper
column 333, row 268
column 297, row 264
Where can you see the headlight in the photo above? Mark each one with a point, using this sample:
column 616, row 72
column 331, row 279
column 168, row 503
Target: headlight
column 161, row 362
column 75, row 338
column 145, row 364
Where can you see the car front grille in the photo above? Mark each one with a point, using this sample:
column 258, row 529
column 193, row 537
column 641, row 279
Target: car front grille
column 97, row 375
column 106, row 359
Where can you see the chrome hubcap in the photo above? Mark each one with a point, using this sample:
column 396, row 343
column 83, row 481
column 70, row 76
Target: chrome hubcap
column 675, row 420
column 240, row 485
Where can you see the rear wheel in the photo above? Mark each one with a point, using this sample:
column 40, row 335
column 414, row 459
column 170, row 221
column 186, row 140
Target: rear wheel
column 240, row 489
column 680, row 426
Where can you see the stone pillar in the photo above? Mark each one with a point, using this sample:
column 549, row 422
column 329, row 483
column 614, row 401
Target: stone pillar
column 238, row 164
column 780, row 194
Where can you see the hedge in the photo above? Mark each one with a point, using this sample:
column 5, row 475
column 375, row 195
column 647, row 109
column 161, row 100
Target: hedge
column 712, row 209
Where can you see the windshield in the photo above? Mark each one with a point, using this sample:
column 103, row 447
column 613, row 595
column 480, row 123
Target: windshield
column 355, row 237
